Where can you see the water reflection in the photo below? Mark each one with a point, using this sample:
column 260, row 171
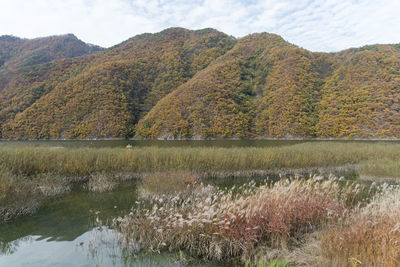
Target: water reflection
column 64, row 219
column 67, row 217
column 63, row 233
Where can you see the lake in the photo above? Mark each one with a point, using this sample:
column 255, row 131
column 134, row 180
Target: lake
column 179, row 143
column 63, row 233
column 157, row 143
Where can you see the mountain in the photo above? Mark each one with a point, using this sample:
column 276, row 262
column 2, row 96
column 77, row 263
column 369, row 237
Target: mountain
column 181, row 83
column 106, row 93
column 25, row 68
column 361, row 97
column 16, row 52
column 265, row 87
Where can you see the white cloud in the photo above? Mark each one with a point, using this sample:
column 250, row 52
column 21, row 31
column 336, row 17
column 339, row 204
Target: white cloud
column 317, row 25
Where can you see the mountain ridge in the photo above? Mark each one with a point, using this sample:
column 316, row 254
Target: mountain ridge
column 180, row 83
column 132, row 75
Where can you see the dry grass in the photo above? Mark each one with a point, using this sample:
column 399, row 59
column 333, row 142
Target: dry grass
column 72, row 162
column 218, row 225
column 101, row 182
column 170, row 182
column 370, row 237
column 313, row 222
column 384, row 169
column 18, row 196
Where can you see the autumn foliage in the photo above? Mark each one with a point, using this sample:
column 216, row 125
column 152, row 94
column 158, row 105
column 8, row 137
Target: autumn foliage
column 196, row 84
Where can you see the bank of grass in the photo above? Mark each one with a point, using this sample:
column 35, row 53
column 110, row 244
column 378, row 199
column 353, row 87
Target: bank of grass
column 75, row 162
column 167, row 183
column 17, row 195
column 261, row 263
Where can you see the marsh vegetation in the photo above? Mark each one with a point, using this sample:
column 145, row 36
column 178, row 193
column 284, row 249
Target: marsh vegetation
column 309, row 204
column 314, row 222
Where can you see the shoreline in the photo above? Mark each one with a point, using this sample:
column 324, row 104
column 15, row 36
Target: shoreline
column 102, row 183
column 211, row 139
column 27, row 172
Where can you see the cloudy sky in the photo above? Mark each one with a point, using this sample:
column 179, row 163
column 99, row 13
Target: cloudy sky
column 318, row 25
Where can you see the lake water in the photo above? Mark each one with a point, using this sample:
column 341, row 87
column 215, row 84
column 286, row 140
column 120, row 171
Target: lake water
column 178, row 143
column 63, row 233
column 157, row 143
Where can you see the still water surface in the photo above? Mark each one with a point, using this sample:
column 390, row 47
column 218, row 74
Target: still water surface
column 157, row 143
column 180, row 143
column 63, row 233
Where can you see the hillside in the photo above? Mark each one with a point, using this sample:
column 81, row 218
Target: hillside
column 105, row 94
column 16, row 52
column 202, row 84
column 266, row 87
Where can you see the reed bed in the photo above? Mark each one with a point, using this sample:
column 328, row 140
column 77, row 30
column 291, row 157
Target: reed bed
column 218, row 224
column 304, row 222
column 37, row 172
column 370, row 236
column 72, row 162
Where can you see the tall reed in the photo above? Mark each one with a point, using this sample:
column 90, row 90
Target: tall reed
column 30, row 161
column 370, row 237
column 218, row 225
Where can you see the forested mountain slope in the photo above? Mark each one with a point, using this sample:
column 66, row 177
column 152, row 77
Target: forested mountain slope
column 16, row 52
column 202, row 84
column 266, row 87
column 362, row 95
column 105, row 94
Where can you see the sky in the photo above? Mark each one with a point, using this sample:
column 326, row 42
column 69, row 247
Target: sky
column 316, row 25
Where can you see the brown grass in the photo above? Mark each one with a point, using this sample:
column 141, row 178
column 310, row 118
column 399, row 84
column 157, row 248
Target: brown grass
column 170, row 182
column 101, row 182
column 73, row 162
column 370, row 237
column 218, row 225
column 17, row 195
